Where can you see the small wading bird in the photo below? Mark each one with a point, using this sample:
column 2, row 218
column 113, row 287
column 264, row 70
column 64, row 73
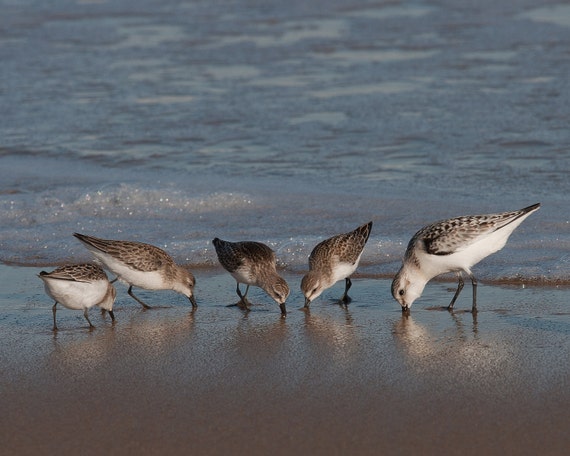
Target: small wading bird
column 252, row 263
column 141, row 265
column 453, row 245
column 79, row 286
column 332, row 260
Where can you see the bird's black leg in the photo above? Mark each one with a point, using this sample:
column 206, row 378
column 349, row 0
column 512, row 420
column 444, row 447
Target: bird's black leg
column 345, row 298
column 54, row 310
column 459, row 288
column 243, row 298
column 85, row 313
column 146, row 306
column 474, row 282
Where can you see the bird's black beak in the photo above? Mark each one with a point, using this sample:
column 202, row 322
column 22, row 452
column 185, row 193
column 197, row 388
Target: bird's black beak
column 193, row 301
column 283, row 309
column 307, row 303
column 112, row 315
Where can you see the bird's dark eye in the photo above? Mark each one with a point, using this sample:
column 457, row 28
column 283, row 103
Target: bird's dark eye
column 401, row 292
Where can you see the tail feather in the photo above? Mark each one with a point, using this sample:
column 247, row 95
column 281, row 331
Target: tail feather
column 534, row 207
column 364, row 231
column 99, row 244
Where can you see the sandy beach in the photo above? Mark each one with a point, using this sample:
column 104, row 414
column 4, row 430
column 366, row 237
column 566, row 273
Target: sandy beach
column 362, row 380
column 175, row 122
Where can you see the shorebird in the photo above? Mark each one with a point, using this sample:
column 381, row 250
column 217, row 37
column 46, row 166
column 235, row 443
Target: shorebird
column 332, row 260
column 79, row 286
column 453, row 245
column 141, row 265
column 252, row 263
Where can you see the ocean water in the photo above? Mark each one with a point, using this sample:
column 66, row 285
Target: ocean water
column 173, row 122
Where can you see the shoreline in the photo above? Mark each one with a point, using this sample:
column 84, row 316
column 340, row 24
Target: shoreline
column 361, row 380
column 216, row 269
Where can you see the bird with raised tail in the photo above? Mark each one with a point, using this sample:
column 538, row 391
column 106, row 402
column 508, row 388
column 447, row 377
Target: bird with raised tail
column 332, row 260
column 79, row 287
column 252, row 263
column 453, row 245
column 141, row 265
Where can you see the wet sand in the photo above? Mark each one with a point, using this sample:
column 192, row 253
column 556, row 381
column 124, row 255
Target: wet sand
column 362, row 380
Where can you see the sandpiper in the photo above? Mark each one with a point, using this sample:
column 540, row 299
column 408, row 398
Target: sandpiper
column 453, row 245
column 252, row 263
column 79, row 286
column 141, row 265
column 332, row 260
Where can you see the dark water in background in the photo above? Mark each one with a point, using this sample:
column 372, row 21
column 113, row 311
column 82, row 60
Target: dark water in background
column 173, row 122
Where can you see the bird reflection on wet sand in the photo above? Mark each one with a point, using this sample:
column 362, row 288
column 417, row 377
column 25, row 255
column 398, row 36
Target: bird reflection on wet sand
column 455, row 349
column 155, row 335
column 334, row 332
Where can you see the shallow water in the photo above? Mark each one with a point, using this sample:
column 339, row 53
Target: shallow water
column 216, row 380
column 286, row 122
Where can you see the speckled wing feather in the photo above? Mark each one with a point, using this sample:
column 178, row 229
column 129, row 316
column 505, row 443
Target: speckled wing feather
column 76, row 273
column 344, row 247
column 137, row 255
column 232, row 255
column 453, row 235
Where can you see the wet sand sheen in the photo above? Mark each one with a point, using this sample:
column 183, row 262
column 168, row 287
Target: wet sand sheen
column 365, row 380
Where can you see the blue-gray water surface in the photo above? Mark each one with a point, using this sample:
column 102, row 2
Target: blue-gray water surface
column 173, row 122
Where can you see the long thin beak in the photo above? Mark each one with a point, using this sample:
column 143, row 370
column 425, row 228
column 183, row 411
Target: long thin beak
column 112, row 315
column 307, row 302
column 283, row 309
column 193, row 301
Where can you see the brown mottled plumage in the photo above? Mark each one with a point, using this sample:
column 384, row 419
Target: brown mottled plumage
column 252, row 263
column 332, row 260
column 453, row 245
column 79, row 286
column 141, row 265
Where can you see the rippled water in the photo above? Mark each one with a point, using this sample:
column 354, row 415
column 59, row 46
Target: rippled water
column 286, row 122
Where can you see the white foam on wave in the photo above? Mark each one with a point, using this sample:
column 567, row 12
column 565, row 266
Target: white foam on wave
column 37, row 227
column 182, row 212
